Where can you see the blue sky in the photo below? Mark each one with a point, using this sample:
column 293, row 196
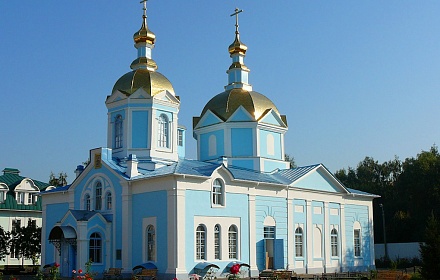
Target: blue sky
column 355, row 78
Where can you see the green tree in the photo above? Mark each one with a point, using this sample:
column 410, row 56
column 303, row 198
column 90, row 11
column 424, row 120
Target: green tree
column 26, row 241
column 4, row 245
column 59, row 181
column 430, row 250
column 290, row 159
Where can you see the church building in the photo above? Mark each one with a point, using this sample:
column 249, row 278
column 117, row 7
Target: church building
column 139, row 200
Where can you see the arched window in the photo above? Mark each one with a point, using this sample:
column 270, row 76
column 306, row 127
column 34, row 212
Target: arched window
column 151, row 243
column 108, row 201
column 98, row 196
column 299, row 242
column 357, row 239
column 95, row 248
column 317, row 242
column 334, row 242
column 217, row 245
column 163, row 132
column 200, row 243
column 118, row 132
column 212, row 145
column 217, row 192
column 87, row 202
column 232, row 241
column 270, row 145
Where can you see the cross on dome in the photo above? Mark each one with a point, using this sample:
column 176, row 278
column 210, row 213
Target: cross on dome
column 145, row 7
column 237, row 11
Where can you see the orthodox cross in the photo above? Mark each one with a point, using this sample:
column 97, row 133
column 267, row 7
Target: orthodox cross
column 145, row 7
column 237, row 11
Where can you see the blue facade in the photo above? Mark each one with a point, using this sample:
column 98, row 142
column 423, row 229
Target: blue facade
column 140, row 129
column 212, row 145
column 240, row 138
column 277, row 209
column 144, row 202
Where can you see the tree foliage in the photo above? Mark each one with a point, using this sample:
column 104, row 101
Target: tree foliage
column 409, row 190
column 26, row 241
column 290, row 159
column 59, row 181
column 430, row 250
column 4, row 245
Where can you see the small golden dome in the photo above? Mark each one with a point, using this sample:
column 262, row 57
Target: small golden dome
column 226, row 103
column 237, row 46
column 144, row 35
column 152, row 82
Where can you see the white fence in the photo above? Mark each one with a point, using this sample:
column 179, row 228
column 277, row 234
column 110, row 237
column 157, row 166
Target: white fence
column 398, row 250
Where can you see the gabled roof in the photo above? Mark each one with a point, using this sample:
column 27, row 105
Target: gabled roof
column 308, row 175
column 13, row 179
column 295, row 173
column 85, row 215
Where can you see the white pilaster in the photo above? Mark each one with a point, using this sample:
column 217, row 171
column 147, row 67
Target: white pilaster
column 343, row 238
column 326, row 232
column 253, row 270
column 290, row 231
column 176, row 232
column 43, row 234
column 371, row 234
column 126, row 226
column 309, row 235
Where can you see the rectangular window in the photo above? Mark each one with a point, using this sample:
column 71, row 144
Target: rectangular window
column 217, row 245
column 232, row 240
column 269, row 232
column 200, row 244
column 180, row 138
column 30, row 198
column 357, row 242
column 15, row 253
column 299, row 242
column 2, row 197
column 20, row 197
column 334, row 245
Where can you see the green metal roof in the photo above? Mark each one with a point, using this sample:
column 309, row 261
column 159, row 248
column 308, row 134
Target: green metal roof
column 12, row 178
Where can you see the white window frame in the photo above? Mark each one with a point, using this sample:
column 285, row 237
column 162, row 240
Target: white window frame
column 200, row 242
column 163, row 131
column 218, row 193
column 334, row 242
column 98, row 195
column 233, row 242
column 299, row 242
column 180, row 138
column 357, row 243
column 119, row 132
column 151, row 243
column 108, row 201
column 87, row 202
column 96, row 247
column 217, row 242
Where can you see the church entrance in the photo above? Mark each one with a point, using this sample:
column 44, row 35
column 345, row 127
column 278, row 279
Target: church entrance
column 269, row 237
column 64, row 239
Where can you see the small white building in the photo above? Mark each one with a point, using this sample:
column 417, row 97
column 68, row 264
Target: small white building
column 19, row 205
column 140, row 200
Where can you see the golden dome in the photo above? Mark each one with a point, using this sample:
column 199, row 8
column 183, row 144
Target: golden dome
column 152, row 82
column 144, row 34
column 237, row 46
column 226, row 103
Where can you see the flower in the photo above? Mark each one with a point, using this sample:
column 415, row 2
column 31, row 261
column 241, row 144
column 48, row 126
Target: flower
column 235, row 269
column 234, row 272
column 74, row 271
column 80, row 271
column 57, row 265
